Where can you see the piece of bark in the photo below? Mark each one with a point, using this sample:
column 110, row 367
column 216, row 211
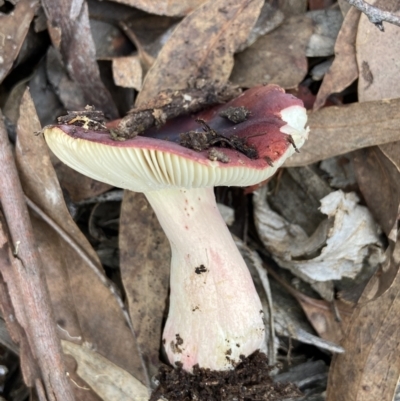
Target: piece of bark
column 173, row 103
column 278, row 57
column 202, row 46
column 69, row 28
column 341, row 129
column 13, row 30
column 344, row 69
column 29, row 275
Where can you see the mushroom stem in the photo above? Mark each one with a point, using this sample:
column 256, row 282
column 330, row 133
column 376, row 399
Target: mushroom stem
column 215, row 314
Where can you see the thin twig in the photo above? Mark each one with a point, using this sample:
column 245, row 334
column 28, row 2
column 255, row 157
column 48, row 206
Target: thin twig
column 29, row 277
column 375, row 14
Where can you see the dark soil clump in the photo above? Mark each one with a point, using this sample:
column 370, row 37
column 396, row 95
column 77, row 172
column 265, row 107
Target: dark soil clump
column 249, row 381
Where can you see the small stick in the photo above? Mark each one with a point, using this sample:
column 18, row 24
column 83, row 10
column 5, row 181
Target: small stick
column 375, row 14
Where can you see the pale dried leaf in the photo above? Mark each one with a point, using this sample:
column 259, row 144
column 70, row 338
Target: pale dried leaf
column 145, row 259
column 127, row 72
column 278, row 57
column 344, row 69
column 13, row 29
column 338, row 130
column 342, row 242
column 202, row 46
column 108, row 380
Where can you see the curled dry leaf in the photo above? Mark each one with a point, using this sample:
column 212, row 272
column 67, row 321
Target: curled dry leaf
column 108, row 380
column 344, row 69
column 278, row 57
column 83, row 302
column 338, row 130
column 172, row 8
column 338, row 248
column 202, row 46
column 13, row 29
column 144, row 261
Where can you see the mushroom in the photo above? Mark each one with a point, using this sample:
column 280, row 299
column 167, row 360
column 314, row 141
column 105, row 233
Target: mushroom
column 215, row 314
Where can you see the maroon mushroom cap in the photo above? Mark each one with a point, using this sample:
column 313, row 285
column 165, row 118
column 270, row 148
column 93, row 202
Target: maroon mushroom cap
column 274, row 127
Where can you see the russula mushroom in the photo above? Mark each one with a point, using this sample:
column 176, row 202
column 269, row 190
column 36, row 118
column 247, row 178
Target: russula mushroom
column 215, row 314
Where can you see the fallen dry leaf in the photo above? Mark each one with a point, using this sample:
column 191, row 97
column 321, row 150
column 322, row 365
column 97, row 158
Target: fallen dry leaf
column 320, row 313
column 378, row 168
column 369, row 369
column 69, row 29
column 379, row 181
column 278, row 57
column 13, row 29
column 172, row 8
column 127, row 72
column 144, row 262
column 83, row 302
column 109, row 381
column 270, row 18
column 338, row 130
column 77, row 186
column 344, row 69
column 202, row 46
column 376, row 58
column 149, row 33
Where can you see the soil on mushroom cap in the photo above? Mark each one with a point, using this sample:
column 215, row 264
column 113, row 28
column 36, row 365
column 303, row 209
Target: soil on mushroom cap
column 249, row 381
